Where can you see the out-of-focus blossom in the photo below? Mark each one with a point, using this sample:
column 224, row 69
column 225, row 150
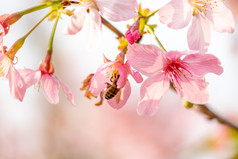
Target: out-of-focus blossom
column 105, row 75
column 233, row 4
column 50, row 83
column 16, row 82
column 113, row 10
column 186, row 74
column 178, row 13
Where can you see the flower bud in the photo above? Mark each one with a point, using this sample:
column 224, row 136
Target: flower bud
column 133, row 34
column 187, row 104
column 11, row 19
column 15, row 47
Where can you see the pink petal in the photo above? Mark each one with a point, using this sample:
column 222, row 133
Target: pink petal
column 201, row 64
column 16, row 83
column 221, row 18
column 123, row 76
column 193, row 89
column 199, row 34
column 99, row 81
column 152, row 90
column 2, row 33
column 174, row 55
column 67, row 92
column 94, row 28
column 96, row 18
column 147, row 59
column 105, row 60
column 136, row 75
column 77, row 21
column 106, row 65
column 50, row 87
column 30, row 76
column 176, row 14
column 117, row 10
column 121, row 97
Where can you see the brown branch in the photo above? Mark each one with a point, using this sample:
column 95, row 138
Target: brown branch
column 205, row 110
column 111, row 27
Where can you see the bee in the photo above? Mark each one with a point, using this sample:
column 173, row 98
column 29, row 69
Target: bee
column 112, row 89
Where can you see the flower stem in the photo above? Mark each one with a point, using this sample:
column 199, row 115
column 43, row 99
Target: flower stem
column 50, row 46
column 18, row 44
column 111, row 27
column 36, row 8
column 29, row 32
column 156, row 38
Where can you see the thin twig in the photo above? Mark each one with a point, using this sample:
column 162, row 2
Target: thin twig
column 205, row 110
column 111, row 27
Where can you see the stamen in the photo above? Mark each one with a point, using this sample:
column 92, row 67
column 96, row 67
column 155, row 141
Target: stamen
column 178, row 71
column 202, row 6
column 4, row 66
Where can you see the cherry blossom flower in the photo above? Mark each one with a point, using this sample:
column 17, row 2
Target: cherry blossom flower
column 50, row 83
column 8, row 71
column 185, row 71
column 106, row 72
column 113, row 10
column 178, row 13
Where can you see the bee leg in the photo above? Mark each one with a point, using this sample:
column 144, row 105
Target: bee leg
column 108, row 85
column 117, row 77
column 101, row 99
column 111, row 79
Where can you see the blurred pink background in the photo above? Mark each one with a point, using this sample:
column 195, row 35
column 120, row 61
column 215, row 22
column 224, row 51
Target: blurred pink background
column 34, row 129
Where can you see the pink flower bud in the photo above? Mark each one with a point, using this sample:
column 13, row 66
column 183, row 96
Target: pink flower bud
column 132, row 36
column 11, row 19
column 133, row 33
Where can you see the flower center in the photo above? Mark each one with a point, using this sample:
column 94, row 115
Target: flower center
column 111, row 72
column 177, row 71
column 46, row 68
column 202, row 6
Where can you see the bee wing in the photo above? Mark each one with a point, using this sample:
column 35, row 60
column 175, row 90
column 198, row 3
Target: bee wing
column 118, row 96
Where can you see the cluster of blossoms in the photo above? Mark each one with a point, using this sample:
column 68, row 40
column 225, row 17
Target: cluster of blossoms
column 183, row 70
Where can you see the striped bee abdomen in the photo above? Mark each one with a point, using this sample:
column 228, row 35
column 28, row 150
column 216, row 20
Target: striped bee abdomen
column 111, row 92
